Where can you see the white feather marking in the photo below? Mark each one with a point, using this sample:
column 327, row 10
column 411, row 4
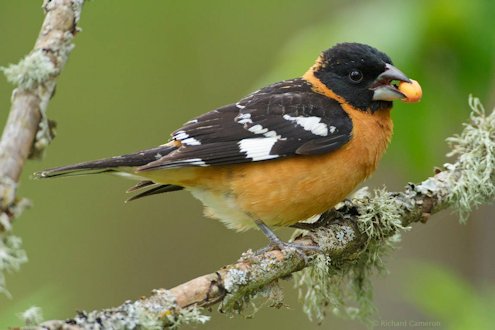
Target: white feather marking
column 128, row 175
column 186, row 139
column 193, row 161
column 240, row 106
column 332, row 129
column 272, row 134
column 181, row 135
column 311, row 124
column 258, row 129
column 191, row 141
column 258, row 148
column 244, row 118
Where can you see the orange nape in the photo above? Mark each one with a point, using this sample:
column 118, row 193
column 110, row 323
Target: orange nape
column 411, row 90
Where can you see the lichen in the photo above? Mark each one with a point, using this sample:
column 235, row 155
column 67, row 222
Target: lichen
column 12, row 256
column 176, row 316
column 248, row 302
column 153, row 313
column 473, row 183
column 189, row 315
column 31, row 71
column 344, row 285
column 234, row 278
column 32, row 316
column 251, row 288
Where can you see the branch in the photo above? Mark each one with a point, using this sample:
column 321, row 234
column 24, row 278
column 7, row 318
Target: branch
column 27, row 130
column 351, row 237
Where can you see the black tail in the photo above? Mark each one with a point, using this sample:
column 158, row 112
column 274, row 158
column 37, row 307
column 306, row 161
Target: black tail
column 114, row 164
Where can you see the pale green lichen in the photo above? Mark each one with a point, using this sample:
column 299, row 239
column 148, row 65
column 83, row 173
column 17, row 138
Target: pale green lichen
column 127, row 316
column 176, row 317
column 345, row 286
column 154, row 313
column 380, row 216
column 12, row 256
column 474, row 181
column 44, row 137
column 31, row 71
column 250, row 289
column 251, row 302
column 189, row 316
column 33, row 316
column 234, row 278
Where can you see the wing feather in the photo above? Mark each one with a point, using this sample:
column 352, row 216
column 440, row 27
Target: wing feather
column 282, row 120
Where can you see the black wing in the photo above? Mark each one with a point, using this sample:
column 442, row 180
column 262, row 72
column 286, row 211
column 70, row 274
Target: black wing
column 281, row 120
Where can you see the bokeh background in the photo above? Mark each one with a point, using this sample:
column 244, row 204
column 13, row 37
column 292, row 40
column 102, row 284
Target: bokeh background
column 142, row 68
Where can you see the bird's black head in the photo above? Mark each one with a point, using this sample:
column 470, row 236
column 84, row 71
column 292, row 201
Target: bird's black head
column 360, row 74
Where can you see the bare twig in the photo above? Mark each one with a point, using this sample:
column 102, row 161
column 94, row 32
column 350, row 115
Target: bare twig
column 344, row 235
column 27, row 130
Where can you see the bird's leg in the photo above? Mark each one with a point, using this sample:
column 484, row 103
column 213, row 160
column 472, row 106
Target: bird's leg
column 276, row 242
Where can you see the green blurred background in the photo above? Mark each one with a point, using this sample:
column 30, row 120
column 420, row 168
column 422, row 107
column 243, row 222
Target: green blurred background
column 142, row 68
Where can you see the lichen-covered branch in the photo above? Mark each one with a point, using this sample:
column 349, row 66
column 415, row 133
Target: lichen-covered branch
column 353, row 238
column 27, row 130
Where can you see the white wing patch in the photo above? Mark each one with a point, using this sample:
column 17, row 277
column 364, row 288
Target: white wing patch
column 311, row 124
column 193, row 161
column 258, row 129
column 258, row 148
column 193, row 121
column 244, row 118
column 196, row 161
column 184, row 138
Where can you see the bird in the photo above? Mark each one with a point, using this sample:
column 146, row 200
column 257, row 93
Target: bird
column 284, row 153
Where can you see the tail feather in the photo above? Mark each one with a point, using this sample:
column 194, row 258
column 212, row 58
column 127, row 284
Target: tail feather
column 158, row 189
column 113, row 164
column 141, row 185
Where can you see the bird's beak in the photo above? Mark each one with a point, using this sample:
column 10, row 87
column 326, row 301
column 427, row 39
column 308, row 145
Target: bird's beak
column 385, row 86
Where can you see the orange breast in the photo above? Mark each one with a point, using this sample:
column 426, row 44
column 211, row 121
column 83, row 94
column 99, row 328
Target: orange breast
column 283, row 192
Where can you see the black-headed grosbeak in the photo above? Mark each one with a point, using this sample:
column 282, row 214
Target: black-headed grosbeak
column 284, row 153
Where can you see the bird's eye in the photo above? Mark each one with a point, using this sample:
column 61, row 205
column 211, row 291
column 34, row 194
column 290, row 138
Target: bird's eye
column 356, row 76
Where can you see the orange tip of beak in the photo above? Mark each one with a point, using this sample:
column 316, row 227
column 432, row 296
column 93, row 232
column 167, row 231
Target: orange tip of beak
column 411, row 90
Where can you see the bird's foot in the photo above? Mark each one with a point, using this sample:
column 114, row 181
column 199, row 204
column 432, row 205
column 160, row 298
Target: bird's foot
column 277, row 244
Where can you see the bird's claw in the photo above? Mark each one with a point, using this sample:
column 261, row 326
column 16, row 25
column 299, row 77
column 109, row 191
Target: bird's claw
column 284, row 246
